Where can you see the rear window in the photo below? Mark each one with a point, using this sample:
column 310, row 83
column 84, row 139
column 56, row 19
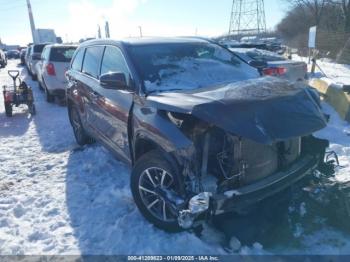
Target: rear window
column 38, row 48
column 62, row 54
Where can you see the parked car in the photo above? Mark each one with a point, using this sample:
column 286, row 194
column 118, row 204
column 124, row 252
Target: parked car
column 3, row 59
column 276, row 65
column 51, row 69
column 26, row 58
column 273, row 47
column 13, row 54
column 33, row 58
column 261, row 46
column 23, row 55
column 203, row 132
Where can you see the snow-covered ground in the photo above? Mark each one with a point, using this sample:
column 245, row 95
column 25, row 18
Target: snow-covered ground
column 329, row 71
column 58, row 198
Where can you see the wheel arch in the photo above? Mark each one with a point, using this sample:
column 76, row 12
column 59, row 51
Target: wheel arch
column 144, row 145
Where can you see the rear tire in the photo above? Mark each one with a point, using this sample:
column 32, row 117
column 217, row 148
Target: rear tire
column 49, row 98
column 8, row 109
column 40, row 86
column 79, row 133
column 31, row 109
column 151, row 205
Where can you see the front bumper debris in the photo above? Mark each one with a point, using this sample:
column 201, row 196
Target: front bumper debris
column 197, row 205
column 207, row 203
column 248, row 195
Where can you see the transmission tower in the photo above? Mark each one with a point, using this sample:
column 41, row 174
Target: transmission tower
column 247, row 17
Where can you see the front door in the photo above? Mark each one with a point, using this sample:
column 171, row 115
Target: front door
column 114, row 105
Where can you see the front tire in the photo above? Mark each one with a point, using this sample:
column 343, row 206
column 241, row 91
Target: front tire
column 151, row 171
column 29, row 72
column 40, row 86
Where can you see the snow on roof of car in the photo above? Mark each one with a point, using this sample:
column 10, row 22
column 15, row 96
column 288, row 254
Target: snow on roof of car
column 147, row 40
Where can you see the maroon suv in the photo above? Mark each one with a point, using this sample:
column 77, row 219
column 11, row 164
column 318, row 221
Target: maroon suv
column 203, row 132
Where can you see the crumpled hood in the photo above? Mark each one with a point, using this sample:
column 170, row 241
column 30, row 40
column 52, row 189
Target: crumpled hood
column 265, row 110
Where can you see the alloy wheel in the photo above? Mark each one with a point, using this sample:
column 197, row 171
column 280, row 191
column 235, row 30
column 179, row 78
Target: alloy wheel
column 151, row 179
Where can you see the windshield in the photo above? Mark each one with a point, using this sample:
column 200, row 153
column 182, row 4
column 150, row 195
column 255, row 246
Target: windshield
column 62, row 54
column 187, row 66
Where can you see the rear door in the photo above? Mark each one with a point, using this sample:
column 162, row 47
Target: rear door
column 113, row 105
column 76, row 89
column 90, row 84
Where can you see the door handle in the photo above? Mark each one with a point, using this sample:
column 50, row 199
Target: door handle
column 94, row 95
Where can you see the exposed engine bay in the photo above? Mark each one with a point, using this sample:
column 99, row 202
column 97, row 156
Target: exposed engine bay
column 232, row 161
column 225, row 162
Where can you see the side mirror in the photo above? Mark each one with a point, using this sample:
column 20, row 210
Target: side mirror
column 257, row 64
column 115, row 80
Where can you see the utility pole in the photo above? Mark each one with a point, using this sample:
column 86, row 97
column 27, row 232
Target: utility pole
column 99, row 32
column 140, row 29
column 32, row 25
column 107, row 30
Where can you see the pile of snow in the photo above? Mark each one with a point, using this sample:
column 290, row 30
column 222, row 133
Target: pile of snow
column 338, row 73
column 331, row 72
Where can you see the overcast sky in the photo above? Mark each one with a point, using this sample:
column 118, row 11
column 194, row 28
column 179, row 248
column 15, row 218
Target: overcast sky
column 76, row 19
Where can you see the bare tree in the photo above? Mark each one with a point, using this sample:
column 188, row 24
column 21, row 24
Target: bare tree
column 345, row 4
column 344, row 54
column 332, row 18
column 345, row 7
column 315, row 7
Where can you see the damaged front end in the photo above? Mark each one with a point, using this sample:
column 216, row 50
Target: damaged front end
column 249, row 141
column 230, row 173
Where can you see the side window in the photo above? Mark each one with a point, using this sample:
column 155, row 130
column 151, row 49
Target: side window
column 92, row 61
column 114, row 61
column 43, row 54
column 78, row 60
